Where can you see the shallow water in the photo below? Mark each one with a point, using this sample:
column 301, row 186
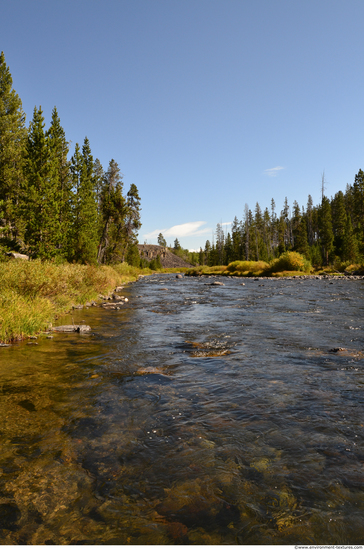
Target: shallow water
column 193, row 415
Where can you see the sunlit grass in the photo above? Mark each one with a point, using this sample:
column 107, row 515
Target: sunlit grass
column 33, row 293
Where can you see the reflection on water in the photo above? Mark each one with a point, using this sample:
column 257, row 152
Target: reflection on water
column 194, row 415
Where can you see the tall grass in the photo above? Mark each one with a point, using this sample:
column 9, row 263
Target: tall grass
column 33, row 293
column 247, row 268
column 205, row 270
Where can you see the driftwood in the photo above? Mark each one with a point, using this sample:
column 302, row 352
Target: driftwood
column 72, row 328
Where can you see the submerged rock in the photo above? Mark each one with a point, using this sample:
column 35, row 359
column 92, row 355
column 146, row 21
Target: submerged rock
column 72, row 328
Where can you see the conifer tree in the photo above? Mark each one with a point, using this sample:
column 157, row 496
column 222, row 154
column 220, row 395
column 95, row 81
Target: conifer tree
column 326, row 232
column 161, row 240
column 13, row 135
column 236, row 238
column 132, row 218
column 207, row 252
column 42, row 207
column 339, row 222
column 99, row 176
column 113, row 214
column 301, row 240
column 201, row 257
column 350, row 245
column 220, row 240
column 267, row 238
column 310, row 232
column 247, row 224
column 358, row 203
column 60, row 176
column 84, row 230
column 228, row 250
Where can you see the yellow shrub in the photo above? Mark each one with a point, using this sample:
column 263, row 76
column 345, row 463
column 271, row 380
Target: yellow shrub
column 290, row 261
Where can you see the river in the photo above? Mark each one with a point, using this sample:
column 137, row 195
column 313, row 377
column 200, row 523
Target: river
column 195, row 414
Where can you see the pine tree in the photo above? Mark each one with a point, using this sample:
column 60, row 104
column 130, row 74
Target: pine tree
column 113, row 215
column 236, row 238
column 301, row 240
column 247, row 224
column 99, row 176
column 228, row 250
column 350, row 245
column 339, row 221
column 207, row 253
column 42, row 209
column 220, row 240
column 61, row 181
column 310, row 232
column 358, row 203
column 85, row 223
column 132, row 218
column 326, row 232
column 13, row 135
column 201, row 257
column 161, row 240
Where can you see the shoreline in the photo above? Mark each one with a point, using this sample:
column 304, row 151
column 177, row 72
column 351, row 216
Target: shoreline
column 109, row 300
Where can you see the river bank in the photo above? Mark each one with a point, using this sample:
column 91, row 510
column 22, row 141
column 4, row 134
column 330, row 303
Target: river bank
column 33, row 294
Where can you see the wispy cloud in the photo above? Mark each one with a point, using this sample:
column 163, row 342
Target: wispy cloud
column 189, row 229
column 272, row 172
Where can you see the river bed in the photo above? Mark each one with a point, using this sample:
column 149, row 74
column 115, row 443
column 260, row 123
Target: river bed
column 195, row 414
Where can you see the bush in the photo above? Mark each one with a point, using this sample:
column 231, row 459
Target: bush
column 245, row 267
column 290, row 261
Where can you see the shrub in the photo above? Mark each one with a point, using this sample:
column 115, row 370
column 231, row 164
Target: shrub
column 290, row 261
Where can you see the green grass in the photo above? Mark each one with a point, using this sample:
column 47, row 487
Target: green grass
column 34, row 293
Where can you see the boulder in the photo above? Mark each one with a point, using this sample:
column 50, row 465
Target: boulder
column 17, row 256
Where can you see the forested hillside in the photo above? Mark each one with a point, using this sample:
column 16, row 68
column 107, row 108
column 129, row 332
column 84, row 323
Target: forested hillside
column 55, row 208
column 329, row 233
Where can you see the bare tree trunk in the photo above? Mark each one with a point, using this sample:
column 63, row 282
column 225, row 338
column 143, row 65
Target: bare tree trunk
column 103, row 241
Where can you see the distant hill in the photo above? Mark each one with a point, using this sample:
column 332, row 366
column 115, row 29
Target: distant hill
column 168, row 259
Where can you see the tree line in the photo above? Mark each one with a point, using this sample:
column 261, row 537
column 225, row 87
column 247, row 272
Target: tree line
column 55, row 208
column 329, row 233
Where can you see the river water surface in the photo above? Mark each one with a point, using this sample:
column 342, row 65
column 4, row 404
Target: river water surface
column 195, row 414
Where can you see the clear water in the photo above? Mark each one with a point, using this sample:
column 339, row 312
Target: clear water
column 194, row 415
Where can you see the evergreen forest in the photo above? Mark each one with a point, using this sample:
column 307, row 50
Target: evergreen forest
column 331, row 233
column 53, row 208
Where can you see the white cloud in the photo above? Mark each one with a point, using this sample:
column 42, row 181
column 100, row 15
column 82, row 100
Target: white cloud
column 272, row 172
column 189, row 229
column 226, row 223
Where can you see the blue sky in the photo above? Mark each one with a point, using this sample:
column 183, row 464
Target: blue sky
column 205, row 104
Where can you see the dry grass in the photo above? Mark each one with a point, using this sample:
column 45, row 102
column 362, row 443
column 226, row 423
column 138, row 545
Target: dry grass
column 33, row 293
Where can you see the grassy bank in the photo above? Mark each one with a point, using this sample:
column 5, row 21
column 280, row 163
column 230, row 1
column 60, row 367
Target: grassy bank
column 34, row 293
column 287, row 265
